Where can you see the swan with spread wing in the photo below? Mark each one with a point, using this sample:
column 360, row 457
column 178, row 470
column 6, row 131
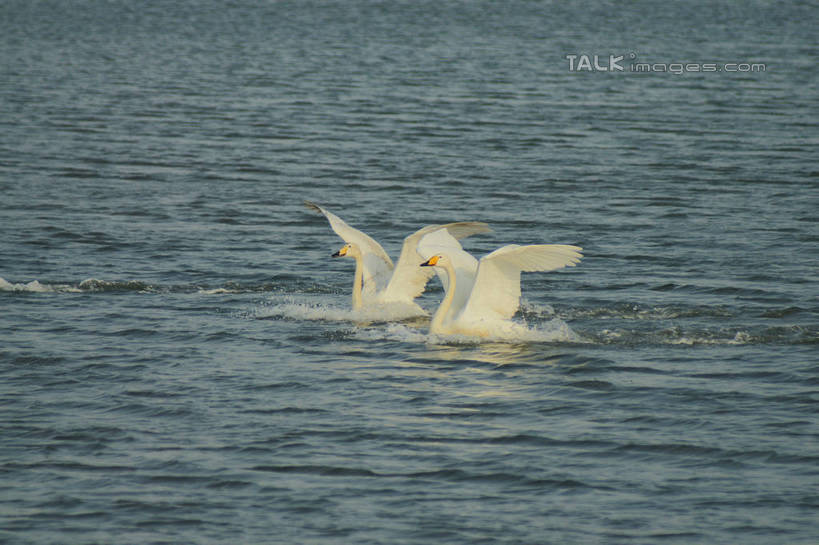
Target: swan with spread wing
column 482, row 296
column 377, row 281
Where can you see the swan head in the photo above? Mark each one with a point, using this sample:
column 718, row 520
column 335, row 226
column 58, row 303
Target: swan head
column 433, row 261
column 348, row 250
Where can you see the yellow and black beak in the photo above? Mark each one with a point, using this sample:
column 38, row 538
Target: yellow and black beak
column 342, row 252
column 431, row 262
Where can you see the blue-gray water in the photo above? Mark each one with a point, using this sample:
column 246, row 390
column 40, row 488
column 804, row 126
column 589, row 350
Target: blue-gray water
column 177, row 359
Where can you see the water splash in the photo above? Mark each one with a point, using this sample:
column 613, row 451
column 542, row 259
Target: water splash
column 679, row 336
column 292, row 309
column 554, row 331
column 96, row 285
column 36, row 287
column 217, row 291
column 88, row 285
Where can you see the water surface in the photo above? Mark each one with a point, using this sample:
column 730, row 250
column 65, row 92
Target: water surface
column 178, row 360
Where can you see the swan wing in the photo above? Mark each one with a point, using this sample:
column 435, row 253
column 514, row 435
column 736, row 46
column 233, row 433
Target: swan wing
column 409, row 279
column 459, row 230
column 377, row 265
column 496, row 290
column 351, row 235
column 375, row 275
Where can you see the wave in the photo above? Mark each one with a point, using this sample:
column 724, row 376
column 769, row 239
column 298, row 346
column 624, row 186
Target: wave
column 535, row 323
column 95, row 285
column 295, row 310
column 740, row 335
column 402, row 324
column 555, row 331
column 615, row 324
column 217, row 291
column 36, row 287
column 628, row 311
column 552, row 331
column 391, row 332
column 88, row 285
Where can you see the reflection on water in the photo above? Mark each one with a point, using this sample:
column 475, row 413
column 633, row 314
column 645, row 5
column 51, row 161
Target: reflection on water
column 499, row 353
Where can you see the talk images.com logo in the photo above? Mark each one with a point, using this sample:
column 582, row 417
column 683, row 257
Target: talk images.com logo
column 628, row 63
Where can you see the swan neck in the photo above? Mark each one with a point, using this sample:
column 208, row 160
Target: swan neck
column 443, row 309
column 357, row 282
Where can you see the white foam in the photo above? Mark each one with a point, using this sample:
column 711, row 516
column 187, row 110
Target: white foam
column 216, row 291
column 527, row 308
column 35, row 287
column 95, row 284
column 296, row 310
column 413, row 329
column 635, row 312
column 554, row 331
column 676, row 337
column 741, row 338
column 88, row 285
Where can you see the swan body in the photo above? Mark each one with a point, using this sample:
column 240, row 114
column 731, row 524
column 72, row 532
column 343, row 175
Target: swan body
column 482, row 296
column 377, row 281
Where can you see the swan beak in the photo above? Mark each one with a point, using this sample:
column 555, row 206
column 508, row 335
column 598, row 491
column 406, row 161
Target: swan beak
column 431, row 262
column 341, row 253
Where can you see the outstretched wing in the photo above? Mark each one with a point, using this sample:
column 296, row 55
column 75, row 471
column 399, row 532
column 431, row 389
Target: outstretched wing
column 377, row 265
column 409, row 279
column 496, row 292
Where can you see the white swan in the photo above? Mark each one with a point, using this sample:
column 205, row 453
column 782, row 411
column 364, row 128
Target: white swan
column 377, row 281
column 482, row 296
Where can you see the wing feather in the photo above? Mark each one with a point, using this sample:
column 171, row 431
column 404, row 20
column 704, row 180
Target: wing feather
column 496, row 291
column 351, row 235
column 409, row 279
column 377, row 265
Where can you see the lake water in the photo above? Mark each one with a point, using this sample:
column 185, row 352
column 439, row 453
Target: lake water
column 178, row 358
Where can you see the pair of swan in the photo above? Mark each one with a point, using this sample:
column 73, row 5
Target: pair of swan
column 480, row 296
